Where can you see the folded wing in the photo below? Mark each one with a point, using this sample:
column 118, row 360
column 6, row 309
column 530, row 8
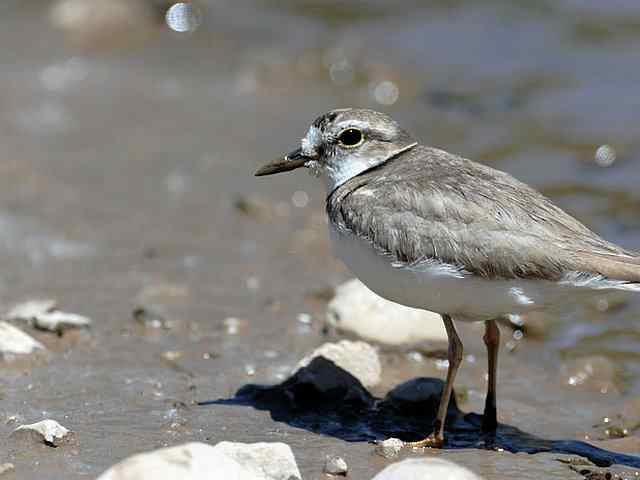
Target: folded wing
column 472, row 217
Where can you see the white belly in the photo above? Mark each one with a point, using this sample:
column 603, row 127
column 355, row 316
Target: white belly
column 437, row 288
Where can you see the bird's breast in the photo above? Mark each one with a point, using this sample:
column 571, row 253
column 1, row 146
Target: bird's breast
column 434, row 286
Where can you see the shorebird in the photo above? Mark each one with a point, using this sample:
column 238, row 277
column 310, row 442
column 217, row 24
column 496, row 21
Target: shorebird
column 429, row 229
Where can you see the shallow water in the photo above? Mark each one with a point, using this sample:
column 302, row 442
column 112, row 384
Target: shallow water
column 125, row 172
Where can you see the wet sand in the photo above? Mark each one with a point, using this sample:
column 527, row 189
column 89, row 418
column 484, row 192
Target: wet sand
column 126, row 181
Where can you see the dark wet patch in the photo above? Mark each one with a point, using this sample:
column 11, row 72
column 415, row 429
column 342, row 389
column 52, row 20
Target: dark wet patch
column 325, row 399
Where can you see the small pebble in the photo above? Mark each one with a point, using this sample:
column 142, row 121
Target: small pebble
column 336, row 466
column 50, row 430
column 442, row 364
column 44, row 315
column 30, row 309
column 415, row 356
column 390, row 447
column 58, row 321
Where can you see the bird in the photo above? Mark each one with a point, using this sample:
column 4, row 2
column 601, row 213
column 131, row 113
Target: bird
column 429, row 229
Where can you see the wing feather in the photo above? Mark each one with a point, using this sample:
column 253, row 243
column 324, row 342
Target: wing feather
column 473, row 217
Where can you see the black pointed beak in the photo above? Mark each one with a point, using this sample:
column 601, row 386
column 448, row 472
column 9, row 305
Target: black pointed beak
column 291, row 161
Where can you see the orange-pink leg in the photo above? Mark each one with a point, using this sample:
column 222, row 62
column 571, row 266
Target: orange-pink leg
column 436, row 439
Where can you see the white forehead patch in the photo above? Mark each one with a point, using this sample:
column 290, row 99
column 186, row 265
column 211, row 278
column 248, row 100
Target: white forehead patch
column 310, row 142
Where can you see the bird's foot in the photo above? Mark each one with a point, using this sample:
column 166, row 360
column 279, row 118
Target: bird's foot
column 489, row 426
column 489, row 419
column 432, row 441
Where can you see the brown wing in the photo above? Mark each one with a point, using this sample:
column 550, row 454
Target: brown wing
column 616, row 267
column 434, row 205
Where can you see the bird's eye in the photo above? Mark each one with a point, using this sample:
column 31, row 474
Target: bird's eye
column 350, row 137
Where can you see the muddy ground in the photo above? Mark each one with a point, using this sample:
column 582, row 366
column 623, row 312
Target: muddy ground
column 126, row 161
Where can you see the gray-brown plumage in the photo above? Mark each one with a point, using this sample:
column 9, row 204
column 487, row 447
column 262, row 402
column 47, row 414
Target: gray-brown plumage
column 431, row 204
column 433, row 230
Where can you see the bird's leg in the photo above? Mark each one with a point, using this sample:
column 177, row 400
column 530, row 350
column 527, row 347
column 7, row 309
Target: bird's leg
column 436, row 439
column 492, row 341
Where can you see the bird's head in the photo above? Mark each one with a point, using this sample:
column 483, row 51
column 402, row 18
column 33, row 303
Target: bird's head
column 344, row 143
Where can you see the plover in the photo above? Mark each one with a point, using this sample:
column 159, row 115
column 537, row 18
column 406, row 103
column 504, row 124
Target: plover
column 429, row 229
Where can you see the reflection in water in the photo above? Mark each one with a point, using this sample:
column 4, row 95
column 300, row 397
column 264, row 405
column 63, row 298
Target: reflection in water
column 323, row 398
column 183, row 17
column 605, row 156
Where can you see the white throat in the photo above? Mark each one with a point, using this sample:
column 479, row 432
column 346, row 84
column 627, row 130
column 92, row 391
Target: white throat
column 336, row 175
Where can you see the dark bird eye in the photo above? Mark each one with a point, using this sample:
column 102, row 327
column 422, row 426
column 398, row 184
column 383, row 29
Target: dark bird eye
column 350, row 137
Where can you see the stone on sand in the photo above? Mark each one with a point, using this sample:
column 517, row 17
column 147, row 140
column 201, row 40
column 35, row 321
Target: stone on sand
column 357, row 310
column 390, row 447
column 49, row 431
column 15, row 341
column 199, row 461
column 335, row 466
column 44, row 315
column 358, row 358
column 267, row 461
column 191, row 461
column 424, row 468
column 30, row 309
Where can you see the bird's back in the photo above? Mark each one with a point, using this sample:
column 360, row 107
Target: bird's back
column 430, row 204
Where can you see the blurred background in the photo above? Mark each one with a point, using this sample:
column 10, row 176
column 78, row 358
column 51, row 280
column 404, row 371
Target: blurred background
column 129, row 133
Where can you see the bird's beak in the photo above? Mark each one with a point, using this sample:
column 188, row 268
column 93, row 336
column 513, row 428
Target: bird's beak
column 291, row 161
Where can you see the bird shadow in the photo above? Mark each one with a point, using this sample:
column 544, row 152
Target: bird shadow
column 326, row 399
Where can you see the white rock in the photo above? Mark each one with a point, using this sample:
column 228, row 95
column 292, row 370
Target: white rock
column 336, row 466
column 14, row 340
column 425, row 468
column 190, row 461
column 356, row 309
column 358, row 358
column 43, row 314
column 6, row 468
column 265, row 461
column 31, row 309
column 390, row 447
column 57, row 320
column 50, row 430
